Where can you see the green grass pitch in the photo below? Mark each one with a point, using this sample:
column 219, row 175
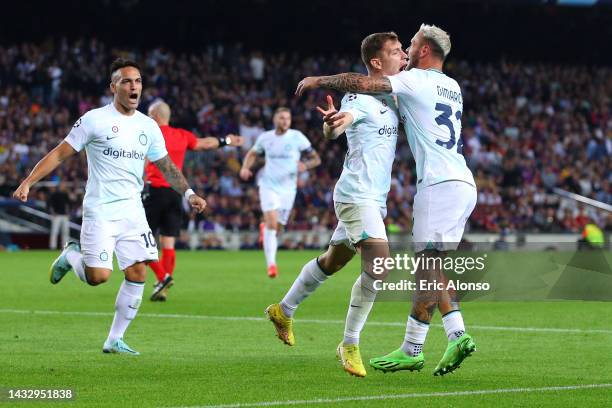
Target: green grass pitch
column 209, row 344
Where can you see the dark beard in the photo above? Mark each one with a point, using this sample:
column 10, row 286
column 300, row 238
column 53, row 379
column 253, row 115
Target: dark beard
column 411, row 64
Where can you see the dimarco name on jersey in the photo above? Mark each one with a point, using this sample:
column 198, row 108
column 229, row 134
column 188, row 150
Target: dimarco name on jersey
column 448, row 94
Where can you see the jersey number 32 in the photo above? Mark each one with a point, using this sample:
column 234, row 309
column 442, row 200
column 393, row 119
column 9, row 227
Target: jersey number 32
column 444, row 120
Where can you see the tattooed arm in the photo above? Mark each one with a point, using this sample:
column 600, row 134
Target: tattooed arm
column 173, row 176
column 177, row 181
column 347, row 82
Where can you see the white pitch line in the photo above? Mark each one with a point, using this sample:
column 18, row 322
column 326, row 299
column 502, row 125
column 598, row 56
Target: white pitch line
column 402, row 396
column 312, row 321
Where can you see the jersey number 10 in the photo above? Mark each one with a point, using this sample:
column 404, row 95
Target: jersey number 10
column 444, row 120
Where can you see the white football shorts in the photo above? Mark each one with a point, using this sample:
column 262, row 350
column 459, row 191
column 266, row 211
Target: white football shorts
column 440, row 213
column 357, row 222
column 131, row 239
column 282, row 203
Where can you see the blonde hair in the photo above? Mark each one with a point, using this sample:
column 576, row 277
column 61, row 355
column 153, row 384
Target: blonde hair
column 438, row 40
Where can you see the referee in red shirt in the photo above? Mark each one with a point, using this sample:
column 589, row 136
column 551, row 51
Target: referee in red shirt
column 162, row 204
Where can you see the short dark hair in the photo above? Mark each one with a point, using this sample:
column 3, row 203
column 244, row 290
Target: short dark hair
column 122, row 63
column 373, row 44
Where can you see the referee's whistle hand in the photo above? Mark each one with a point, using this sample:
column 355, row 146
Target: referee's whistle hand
column 197, row 203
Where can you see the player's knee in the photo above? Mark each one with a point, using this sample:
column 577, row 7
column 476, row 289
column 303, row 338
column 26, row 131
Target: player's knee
column 96, row 276
column 326, row 266
column 329, row 265
column 136, row 272
column 137, row 276
column 95, row 280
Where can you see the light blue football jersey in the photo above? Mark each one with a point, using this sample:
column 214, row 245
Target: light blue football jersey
column 282, row 154
column 117, row 147
column 372, row 137
column 430, row 106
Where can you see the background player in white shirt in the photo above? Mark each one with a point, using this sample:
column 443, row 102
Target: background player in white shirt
column 283, row 148
column 117, row 139
column 360, row 199
column 430, row 105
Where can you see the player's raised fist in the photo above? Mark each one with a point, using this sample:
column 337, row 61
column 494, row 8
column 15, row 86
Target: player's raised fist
column 197, row 203
column 307, row 84
column 22, row 192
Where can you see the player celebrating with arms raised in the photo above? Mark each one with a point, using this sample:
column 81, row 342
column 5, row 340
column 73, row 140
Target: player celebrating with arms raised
column 360, row 199
column 282, row 148
column 117, row 139
column 430, row 105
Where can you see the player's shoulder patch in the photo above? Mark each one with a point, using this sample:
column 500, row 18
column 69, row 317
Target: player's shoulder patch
column 351, row 100
column 78, row 123
column 89, row 117
column 351, row 96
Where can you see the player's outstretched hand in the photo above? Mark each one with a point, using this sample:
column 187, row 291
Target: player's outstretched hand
column 197, row 203
column 307, row 84
column 331, row 109
column 22, row 192
column 236, row 140
column 335, row 120
column 301, row 167
column 331, row 117
column 245, row 174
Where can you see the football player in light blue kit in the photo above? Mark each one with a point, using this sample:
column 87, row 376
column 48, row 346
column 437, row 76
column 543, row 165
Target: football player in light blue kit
column 282, row 147
column 430, row 104
column 118, row 140
column 360, row 199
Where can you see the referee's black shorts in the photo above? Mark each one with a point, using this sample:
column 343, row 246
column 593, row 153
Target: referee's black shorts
column 164, row 209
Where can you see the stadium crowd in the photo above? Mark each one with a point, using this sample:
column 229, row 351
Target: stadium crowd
column 527, row 128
